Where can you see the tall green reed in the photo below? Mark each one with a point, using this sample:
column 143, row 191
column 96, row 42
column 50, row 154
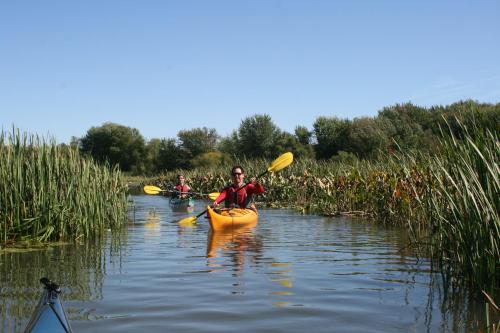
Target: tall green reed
column 465, row 206
column 50, row 192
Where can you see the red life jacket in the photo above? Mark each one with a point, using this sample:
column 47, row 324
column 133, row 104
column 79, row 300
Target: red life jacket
column 182, row 188
column 244, row 196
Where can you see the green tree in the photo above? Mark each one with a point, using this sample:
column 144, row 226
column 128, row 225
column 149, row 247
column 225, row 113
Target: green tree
column 303, row 148
column 257, row 136
column 289, row 142
column 170, row 156
column 407, row 123
column 116, row 144
column 210, row 159
column 152, row 159
column 197, row 141
column 303, row 135
column 332, row 135
column 367, row 138
column 229, row 144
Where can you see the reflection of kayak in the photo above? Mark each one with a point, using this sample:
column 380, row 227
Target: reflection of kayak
column 49, row 315
column 181, row 203
column 231, row 218
column 231, row 237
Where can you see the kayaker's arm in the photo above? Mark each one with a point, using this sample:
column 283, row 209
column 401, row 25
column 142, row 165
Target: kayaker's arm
column 255, row 187
column 219, row 199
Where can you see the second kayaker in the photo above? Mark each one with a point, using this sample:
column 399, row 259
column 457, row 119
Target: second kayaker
column 181, row 189
column 233, row 196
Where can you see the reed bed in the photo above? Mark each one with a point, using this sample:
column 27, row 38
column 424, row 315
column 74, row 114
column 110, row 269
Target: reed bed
column 464, row 207
column 450, row 202
column 50, row 192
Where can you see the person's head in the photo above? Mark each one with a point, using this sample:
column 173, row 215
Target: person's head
column 180, row 179
column 238, row 174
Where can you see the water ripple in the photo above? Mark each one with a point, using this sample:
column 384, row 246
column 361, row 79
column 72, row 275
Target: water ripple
column 292, row 273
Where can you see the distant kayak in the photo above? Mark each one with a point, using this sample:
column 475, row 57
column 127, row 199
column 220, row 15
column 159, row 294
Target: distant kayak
column 178, row 203
column 49, row 315
column 222, row 219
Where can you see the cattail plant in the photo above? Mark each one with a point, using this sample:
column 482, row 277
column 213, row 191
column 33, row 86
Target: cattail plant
column 50, row 192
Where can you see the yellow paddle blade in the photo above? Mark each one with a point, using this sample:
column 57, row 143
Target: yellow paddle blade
column 188, row 221
column 281, row 162
column 150, row 189
column 213, row 195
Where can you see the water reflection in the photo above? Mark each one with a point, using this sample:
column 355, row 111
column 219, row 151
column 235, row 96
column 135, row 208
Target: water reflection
column 242, row 248
column 185, row 235
column 285, row 274
column 152, row 225
column 182, row 209
column 282, row 275
column 234, row 244
column 79, row 269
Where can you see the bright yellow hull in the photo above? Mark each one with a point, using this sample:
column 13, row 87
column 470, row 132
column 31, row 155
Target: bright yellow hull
column 231, row 218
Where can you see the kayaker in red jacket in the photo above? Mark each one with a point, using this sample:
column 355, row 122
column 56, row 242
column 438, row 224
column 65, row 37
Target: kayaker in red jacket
column 181, row 189
column 242, row 198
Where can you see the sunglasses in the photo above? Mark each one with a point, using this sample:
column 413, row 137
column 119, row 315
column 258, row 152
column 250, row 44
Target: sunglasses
column 237, row 174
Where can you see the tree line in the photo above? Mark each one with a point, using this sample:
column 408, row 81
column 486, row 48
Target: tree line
column 401, row 126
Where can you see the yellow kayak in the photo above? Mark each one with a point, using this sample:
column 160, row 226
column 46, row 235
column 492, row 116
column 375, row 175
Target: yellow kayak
column 231, row 218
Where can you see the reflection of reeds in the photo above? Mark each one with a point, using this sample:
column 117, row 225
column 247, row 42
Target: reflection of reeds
column 78, row 267
column 49, row 192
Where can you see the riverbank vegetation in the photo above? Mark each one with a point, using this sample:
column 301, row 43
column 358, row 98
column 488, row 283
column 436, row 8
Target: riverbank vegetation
column 50, row 192
column 402, row 127
column 434, row 170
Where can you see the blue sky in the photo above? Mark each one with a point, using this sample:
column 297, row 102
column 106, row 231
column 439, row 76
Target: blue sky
column 164, row 66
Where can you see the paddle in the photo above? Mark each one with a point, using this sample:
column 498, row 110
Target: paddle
column 150, row 189
column 280, row 163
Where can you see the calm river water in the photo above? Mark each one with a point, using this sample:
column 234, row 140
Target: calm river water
column 291, row 273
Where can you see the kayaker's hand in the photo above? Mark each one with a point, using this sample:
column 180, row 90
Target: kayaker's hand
column 215, row 204
column 253, row 180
